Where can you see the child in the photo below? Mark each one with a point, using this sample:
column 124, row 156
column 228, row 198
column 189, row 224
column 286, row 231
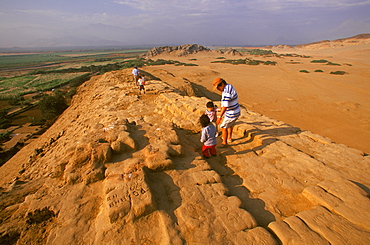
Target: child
column 141, row 84
column 208, row 137
column 211, row 112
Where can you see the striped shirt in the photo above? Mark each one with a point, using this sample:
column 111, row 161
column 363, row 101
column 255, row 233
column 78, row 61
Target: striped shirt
column 230, row 101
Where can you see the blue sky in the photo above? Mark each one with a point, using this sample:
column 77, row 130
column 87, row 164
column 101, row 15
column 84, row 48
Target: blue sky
column 40, row 23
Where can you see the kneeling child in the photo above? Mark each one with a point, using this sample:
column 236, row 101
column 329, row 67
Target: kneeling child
column 208, row 137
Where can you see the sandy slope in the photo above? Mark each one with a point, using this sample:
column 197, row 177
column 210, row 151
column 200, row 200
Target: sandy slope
column 335, row 106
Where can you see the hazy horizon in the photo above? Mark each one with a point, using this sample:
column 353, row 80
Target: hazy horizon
column 97, row 23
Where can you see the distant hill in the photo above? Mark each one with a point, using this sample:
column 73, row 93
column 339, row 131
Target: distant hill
column 186, row 49
column 350, row 41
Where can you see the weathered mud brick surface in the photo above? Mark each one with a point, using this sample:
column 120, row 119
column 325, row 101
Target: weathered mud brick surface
column 344, row 198
column 127, row 194
column 333, row 227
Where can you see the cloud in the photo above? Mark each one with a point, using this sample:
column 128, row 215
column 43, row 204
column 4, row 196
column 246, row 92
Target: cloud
column 48, row 17
column 350, row 3
column 41, row 12
column 332, row 4
column 351, row 27
column 208, row 11
column 195, row 21
column 175, row 5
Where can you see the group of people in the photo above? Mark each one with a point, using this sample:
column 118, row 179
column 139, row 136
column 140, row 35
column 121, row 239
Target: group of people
column 228, row 115
column 139, row 79
column 224, row 117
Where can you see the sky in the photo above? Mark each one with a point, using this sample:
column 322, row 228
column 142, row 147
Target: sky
column 54, row 23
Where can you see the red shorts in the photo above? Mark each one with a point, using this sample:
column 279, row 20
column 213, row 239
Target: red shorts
column 207, row 151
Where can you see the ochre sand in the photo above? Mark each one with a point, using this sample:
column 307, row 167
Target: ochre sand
column 335, row 106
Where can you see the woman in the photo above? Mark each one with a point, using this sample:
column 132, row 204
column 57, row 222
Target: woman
column 230, row 109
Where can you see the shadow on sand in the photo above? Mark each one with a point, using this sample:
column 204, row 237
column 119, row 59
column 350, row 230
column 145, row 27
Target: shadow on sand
column 266, row 134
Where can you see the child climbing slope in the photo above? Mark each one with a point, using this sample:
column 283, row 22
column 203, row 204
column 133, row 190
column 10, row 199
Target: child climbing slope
column 141, row 82
column 211, row 112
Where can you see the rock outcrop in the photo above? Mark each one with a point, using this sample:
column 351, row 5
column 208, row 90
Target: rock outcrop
column 118, row 167
column 186, row 49
column 232, row 51
column 181, row 50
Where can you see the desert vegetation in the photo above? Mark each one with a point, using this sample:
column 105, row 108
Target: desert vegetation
column 338, row 72
column 293, row 55
column 51, row 106
column 269, row 53
column 246, row 61
column 333, row 64
column 319, row 61
column 325, row 61
column 4, row 121
column 333, row 72
column 293, row 62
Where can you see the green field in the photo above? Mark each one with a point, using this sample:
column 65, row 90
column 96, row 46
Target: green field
column 25, row 73
column 19, row 60
column 12, row 87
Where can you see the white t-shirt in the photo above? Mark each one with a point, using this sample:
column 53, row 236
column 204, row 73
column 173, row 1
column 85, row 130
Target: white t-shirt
column 135, row 72
column 141, row 81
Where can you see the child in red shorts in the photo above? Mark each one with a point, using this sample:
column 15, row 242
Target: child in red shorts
column 208, row 137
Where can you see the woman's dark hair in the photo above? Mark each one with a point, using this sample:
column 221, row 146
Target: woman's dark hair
column 204, row 120
column 223, row 82
column 210, row 104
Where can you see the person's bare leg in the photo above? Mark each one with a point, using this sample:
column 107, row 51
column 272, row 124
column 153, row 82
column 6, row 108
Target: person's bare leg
column 224, row 136
column 230, row 134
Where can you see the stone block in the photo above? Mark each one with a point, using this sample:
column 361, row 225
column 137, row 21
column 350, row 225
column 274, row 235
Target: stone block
column 118, row 147
column 294, row 231
column 342, row 197
column 157, row 157
column 127, row 195
column 333, row 228
column 100, row 153
column 125, row 138
column 255, row 236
